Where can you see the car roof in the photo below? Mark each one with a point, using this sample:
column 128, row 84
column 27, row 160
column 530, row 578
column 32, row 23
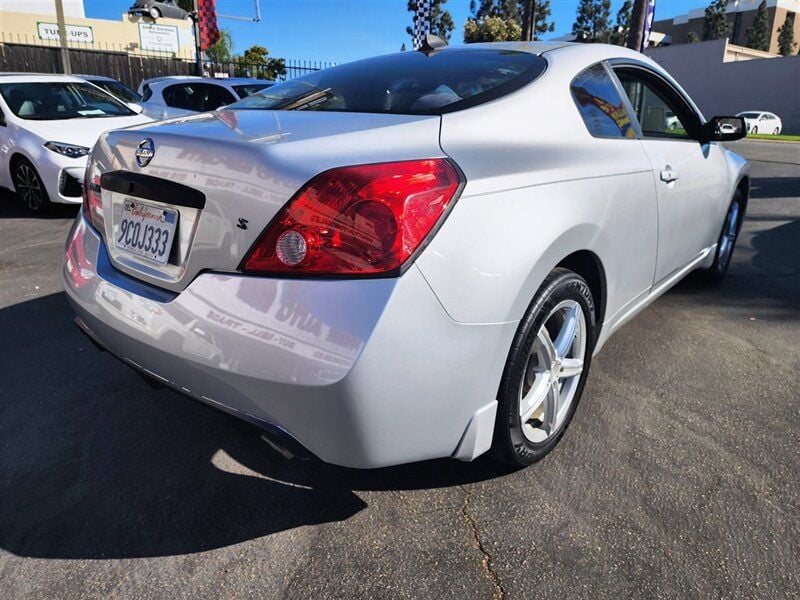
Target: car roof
column 37, row 78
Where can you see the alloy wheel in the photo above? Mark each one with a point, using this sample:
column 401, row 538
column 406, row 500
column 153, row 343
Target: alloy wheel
column 29, row 187
column 552, row 373
column 729, row 233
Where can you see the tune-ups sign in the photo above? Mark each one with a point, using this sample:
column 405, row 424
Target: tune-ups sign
column 75, row 33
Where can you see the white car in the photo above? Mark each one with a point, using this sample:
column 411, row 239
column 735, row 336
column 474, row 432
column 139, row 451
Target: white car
column 167, row 97
column 48, row 125
column 407, row 257
column 762, row 122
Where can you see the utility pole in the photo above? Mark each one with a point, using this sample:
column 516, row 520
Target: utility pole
column 62, row 38
column 529, row 21
column 198, row 51
column 638, row 20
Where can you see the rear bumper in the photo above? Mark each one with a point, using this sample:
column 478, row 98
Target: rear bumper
column 363, row 373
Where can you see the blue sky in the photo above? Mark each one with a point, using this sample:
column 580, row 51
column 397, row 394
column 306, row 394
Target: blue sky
column 344, row 30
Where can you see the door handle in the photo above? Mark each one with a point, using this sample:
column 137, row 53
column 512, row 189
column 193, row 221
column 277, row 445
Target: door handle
column 668, row 175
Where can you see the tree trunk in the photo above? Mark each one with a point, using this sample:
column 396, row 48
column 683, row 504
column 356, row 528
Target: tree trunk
column 638, row 20
column 529, row 21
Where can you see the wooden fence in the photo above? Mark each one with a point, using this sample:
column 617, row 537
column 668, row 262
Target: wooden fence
column 126, row 67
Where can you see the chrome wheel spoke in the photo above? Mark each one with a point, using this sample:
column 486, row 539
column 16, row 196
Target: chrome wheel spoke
column 552, row 408
column 569, row 329
column 535, row 397
column 549, row 349
column 570, row 367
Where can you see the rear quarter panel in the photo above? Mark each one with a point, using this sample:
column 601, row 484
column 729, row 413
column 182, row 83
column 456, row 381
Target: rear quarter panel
column 539, row 187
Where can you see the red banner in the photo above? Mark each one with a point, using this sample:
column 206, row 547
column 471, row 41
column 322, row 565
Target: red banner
column 207, row 19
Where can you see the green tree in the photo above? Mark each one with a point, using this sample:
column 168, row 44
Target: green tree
column 758, row 34
column 715, row 24
column 256, row 62
column 441, row 21
column 491, row 29
column 623, row 24
column 221, row 51
column 592, row 22
column 493, row 21
column 786, row 36
column 692, row 38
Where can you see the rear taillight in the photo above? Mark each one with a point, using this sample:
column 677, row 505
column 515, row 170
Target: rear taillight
column 92, row 200
column 362, row 220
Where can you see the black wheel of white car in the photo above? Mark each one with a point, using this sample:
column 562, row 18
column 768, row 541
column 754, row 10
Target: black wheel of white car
column 29, row 186
column 727, row 238
column 777, row 131
column 754, row 130
column 546, row 370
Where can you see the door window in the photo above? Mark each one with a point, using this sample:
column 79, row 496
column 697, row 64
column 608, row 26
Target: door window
column 600, row 104
column 661, row 111
column 197, row 97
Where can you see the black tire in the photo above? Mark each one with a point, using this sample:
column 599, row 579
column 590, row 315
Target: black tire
column 754, row 130
column 155, row 13
column 510, row 444
column 29, row 186
column 722, row 259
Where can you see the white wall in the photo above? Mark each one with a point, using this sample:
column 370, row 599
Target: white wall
column 72, row 8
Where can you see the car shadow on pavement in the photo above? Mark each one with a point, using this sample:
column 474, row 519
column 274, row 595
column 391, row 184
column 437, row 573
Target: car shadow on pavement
column 12, row 207
column 764, row 272
column 96, row 464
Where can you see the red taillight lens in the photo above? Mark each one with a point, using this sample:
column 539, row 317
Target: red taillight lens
column 361, row 220
column 92, row 201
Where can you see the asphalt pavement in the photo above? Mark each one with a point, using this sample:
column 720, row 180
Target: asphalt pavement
column 679, row 476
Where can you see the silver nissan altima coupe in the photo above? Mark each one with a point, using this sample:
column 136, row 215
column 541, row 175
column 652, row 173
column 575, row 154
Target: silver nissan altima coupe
column 407, row 257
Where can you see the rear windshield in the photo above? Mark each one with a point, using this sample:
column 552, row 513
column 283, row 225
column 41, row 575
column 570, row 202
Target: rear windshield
column 750, row 115
column 405, row 83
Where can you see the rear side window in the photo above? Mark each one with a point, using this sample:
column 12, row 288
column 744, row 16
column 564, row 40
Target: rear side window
column 198, row 97
column 406, row 83
column 600, row 104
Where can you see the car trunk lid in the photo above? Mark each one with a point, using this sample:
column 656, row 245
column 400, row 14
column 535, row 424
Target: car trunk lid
column 227, row 174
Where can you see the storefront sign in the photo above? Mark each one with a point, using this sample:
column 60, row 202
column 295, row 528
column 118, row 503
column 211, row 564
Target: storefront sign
column 160, row 38
column 75, row 33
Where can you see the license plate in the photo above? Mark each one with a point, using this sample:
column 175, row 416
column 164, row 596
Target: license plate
column 146, row 231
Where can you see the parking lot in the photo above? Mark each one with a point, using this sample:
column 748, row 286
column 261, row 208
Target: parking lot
column 679, row 476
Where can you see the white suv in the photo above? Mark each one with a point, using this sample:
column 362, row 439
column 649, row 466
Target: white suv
column 761, row 122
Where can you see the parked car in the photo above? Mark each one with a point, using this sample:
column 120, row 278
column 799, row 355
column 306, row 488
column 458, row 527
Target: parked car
column 761, row 122
column 167, row 97
column 397, row 259
column 157, row 9
column 48, row 125
column 117, row 89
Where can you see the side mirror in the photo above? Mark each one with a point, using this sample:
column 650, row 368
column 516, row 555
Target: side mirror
column 137, row 108
column 723, row 129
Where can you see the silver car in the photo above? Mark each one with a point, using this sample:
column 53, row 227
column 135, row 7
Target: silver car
column 406, row 257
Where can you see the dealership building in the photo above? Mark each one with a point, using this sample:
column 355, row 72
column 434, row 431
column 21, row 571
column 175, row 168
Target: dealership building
column 34, row 23
column 740, row 14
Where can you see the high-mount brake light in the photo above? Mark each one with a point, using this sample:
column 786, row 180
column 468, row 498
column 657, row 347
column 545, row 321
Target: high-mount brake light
column 360, row 220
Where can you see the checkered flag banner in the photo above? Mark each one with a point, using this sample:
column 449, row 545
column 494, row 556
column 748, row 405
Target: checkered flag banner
column 422, row 22
column 207, row 20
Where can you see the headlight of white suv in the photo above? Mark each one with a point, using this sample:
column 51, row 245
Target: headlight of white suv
column 70, row 150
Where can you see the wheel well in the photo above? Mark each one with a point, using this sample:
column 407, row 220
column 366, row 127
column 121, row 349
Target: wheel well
column 588, row 265
column 744, row 187
column 15, row 158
